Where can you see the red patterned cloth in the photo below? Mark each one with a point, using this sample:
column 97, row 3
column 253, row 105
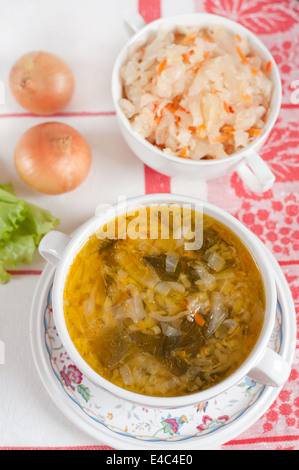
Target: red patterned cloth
column 274, row 215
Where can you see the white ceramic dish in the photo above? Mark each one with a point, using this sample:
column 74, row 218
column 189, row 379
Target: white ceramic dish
column 262, row 364
column 121, row 425
column 247, row 163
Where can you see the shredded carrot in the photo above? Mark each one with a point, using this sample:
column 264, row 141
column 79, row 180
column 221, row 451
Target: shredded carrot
column 189, row 38
column 141, row 325
column 123, row 297
column 206, row 55
column 186, row 55
column 254, row 71
column 201, row 131
column 199, row 320
column 227, row 237
column 234, row 332
column 254, row 132
column 243, row 58
column 223, row 138
column 183, row 109
column 247, row 98
column 205, row 38
column 170, row 108
column 184, row 152
column 190, row 255
column 227, row 108
column 238, row 38
column 158, row 119
column 228, row 129
column 216, row 91
column 269, row 66
column 162, row 66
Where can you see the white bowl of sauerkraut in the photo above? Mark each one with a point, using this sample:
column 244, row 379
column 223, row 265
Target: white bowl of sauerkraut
column 198, row 95
column 155, row 321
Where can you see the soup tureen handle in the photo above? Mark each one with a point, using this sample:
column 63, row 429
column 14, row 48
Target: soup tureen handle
column 272, row 369
column 134, row 21
column 255, row 173
column 53, row 245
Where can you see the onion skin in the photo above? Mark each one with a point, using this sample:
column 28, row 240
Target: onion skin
column 42, row 83
column 52, row 158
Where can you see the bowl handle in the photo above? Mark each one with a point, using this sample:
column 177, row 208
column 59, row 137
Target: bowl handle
column 255, row 173
column 53, row 245
column 134, row 21
column 271, row 370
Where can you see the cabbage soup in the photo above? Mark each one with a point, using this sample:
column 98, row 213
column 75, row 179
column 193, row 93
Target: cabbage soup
column 158, row 319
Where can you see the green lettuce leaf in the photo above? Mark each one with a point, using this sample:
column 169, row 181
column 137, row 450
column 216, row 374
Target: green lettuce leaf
column 22, row 226
column 12, row 213
column 4, row 276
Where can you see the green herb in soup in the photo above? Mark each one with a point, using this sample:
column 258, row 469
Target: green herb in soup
column 158, row 319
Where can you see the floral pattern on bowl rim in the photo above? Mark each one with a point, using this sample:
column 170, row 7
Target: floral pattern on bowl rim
column 146, row 423
column 124, row 424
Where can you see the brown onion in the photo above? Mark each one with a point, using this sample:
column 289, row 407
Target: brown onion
column 42, row 82
column 52, row 158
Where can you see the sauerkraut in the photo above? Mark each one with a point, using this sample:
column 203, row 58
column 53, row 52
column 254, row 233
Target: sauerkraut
column 197, row 94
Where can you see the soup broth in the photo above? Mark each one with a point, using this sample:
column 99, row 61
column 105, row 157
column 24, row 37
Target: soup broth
column 158, row 319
